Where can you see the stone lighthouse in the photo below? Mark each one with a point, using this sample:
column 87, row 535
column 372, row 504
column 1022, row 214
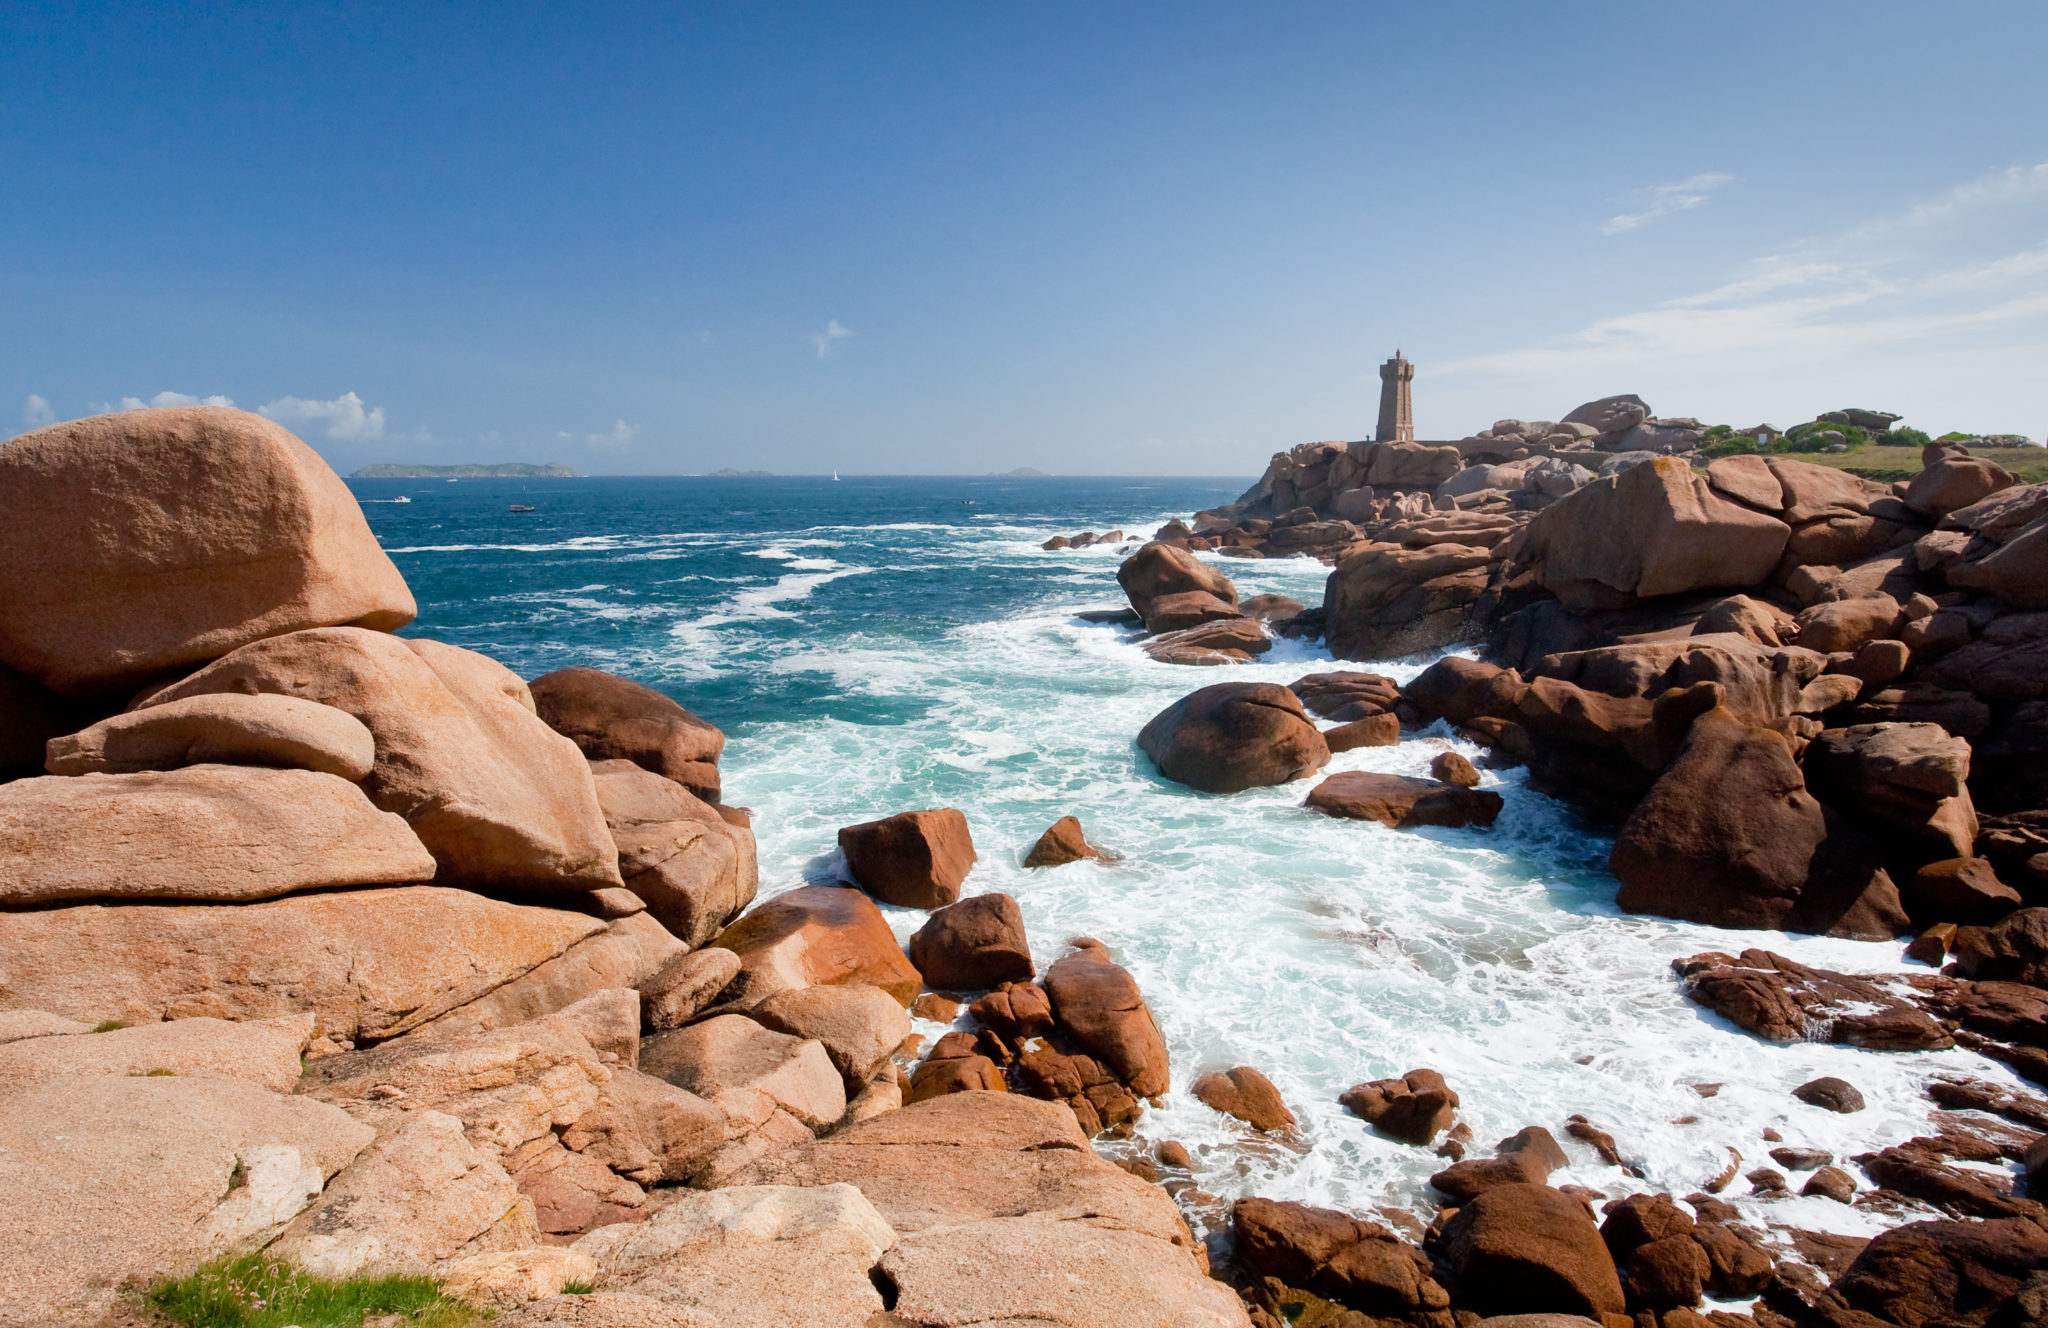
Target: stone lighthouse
column 1397, row 413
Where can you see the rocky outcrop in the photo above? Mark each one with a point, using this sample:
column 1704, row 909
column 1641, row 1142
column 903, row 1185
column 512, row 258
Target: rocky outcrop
column 916, row 859
column 1061, row 844
column 1234, row 736
column 859, row 1027
column 1522, row 1249
column 1360, row 1265
column 498, row 798
column 207, row 833
column 1098, row 1004
column 1161, row 569
column 1415, row 1108
column 615, row 719
column 1657, row 529
column 1782, row 1000
column 1246, row 1094
column 219, row 730
column 1385, row 600
column 1729, row 836
column 154, row 540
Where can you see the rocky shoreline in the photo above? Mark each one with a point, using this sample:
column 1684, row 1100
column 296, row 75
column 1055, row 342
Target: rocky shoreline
column 360, row 951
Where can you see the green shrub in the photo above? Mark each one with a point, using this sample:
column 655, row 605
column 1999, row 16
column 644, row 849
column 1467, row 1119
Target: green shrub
column 251, row 1291
column 1740, row 444
column 1903, row 437
column 1955, row 436
column 109, row 1026
column 1852, row 434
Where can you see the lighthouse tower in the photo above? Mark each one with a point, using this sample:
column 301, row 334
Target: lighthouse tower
column 1397, row 412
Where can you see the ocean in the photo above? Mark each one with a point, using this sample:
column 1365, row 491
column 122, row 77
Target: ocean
column 878, row 644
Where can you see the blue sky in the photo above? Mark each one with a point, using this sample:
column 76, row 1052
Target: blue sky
column 960, row 238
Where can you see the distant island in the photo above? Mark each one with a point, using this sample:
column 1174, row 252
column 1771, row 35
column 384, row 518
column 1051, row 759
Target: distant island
column 1023, row 473
column 521, row 470
column 728, row 473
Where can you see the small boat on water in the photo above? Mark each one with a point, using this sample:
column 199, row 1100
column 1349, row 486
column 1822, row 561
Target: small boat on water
column 521, row 507
column 401, row 498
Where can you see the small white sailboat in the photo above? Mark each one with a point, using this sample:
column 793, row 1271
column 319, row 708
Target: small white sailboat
column 835, row 477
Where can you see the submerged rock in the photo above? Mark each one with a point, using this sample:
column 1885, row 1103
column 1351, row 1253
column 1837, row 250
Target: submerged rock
column 1245, row 1094
column 1234, row 736
column 1401, row 802
column 1061, row 844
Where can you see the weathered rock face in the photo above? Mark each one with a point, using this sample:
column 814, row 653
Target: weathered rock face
column 1656, row 529
column 222, row 730
column 2015, row 949
column 752, row 1257
column 112, row 1177
column 612, row 718
column 156, row 539
column 212, row 833
column 1906, row 783
column 977, row 944
column 1099, row 1004
column 968, row 1157
column 1358, row 1264
column 369, row 964
column 1525, row 1249
column 1415, row 1108
column 263, row 1052
column 1940, row 1272
column 1234, row 736
column 694, row 871
column 418, row 1198
column 1161, row 569
column 498, row 798
column 1954, row 482
column 1384, row 600
column 1232, row 641
column 1610, row 417
column 916, row 859
column 1399, row 802
column 1526, row 1157
column 859, row 1027
column 30, row 716
column 1729, row 836
column 1061, row 844
column 732, row 1051
column 818, row 934
column 628, row 953
column 1053, row 1270
column 1346, row 695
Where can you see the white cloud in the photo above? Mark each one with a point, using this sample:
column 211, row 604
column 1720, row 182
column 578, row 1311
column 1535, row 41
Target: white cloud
column 160, row 399
column 621, row 434
column 344, row 416
column 830, row 338
column 36, row 412
column 1661, row 200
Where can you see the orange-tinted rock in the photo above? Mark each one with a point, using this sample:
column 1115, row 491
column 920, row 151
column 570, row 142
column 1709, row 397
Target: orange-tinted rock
column 1453, row 768
column 219, row 730
column 818, row 934
column 151, row 540
column 1654, row 529
column 614, row 718
column 1358, row 1264
column 498, row 798
column 1384, row 601
column 1400, row 802
column 1461, row 690
column 1245, row 1094
column 1016, row 1010
column 1730, row 837
column 975, row 945
column 954, row 1066
column 209, row 833
column 1787, row 1001
column 1955, row 482
column 1523, row 1249
column 2014, row 949
column 1414, row 1108
column 694, row 871
column 1965, row 890
column 1845, row 624
column 1525, row 1158
column 1099, row 1005
column 1345, row 695
column 1943, row 1272
column 1382, row 730
column 1162, row 569
column 1189, row 608
column 1061, row 844
column 917, row 859
column 1234, row 736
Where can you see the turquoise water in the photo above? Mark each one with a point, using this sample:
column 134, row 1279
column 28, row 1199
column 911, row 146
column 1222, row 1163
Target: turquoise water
column 879, row 644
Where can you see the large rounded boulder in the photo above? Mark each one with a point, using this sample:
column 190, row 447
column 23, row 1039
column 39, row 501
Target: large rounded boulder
column 616, row 719
column 1234, row 736
column 1159, row 570
column 151, row 540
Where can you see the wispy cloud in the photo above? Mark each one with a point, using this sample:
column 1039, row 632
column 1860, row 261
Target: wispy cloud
column 828, row 340
column 36, row 412
column 160, row 399
column 1661, row 200
column 1943, row 303
column 620, row 435
column 345, row 417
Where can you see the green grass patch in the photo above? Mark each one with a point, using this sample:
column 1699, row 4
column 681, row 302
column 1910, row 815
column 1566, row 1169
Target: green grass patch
column 251, row 1291
column 1874, row 461
column 578, row 1288
column 109, row 1026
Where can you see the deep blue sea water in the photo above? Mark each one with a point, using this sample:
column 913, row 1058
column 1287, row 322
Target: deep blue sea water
column 876, row 644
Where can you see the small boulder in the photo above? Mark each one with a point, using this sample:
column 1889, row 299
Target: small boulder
column 916, row 859
column 818, row 934
column 685, row 986
column 1525, row 1158
column 1061, row 844
column 613, row 718
column 694, row 871
column 1234, row 736
column 1963, row 890
column 1383, row 730
column 977, row 944
column 1521, row 1249
column 954, row 1066
column 220, row 730
column 860, row 1027
column 1346, row 695
column 1245, row 1094
column 1400, row 802
column 1163, row 569
column 1017, row 1011
column 1453, row 768
column 2014, row 949
column 1099, row 1005
column 1331, row 1254
column 1415, row 1108
column 732, row 1051
column 1830, row 1094
column 1951, row 483
column 1190, row 608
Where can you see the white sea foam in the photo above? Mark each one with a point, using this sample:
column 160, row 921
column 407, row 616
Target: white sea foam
column 1324, row 952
